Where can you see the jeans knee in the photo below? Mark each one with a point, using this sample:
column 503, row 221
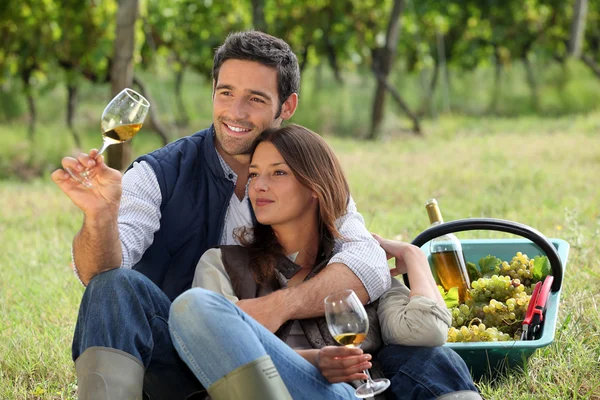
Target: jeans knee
column 197, row 306
column 113, row 279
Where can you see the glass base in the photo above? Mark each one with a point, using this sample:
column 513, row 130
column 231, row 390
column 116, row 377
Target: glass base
column 372, row 388
column 82, row 178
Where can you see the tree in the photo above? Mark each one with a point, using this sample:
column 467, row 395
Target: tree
column 578, row 27
column 383, row 59
column 122, row 70
column 258, row 15
column 28, row 42
column 87, row 35
column 591, row 47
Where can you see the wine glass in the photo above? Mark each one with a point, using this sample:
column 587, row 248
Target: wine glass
column 121, row 120
column 348, row 323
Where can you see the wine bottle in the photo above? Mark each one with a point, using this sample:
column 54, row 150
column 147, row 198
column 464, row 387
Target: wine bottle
column 447, row 258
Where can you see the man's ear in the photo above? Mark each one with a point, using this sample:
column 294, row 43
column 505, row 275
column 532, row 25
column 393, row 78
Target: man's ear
column 288, row 108
column 214, row 89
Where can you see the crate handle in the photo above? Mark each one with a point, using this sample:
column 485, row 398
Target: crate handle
column 501, row 225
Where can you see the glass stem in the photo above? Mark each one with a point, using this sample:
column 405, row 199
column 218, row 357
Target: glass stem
column 370, row 380
column 104, row 146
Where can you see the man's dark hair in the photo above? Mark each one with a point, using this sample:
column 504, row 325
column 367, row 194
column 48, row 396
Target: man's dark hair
column 267, row 50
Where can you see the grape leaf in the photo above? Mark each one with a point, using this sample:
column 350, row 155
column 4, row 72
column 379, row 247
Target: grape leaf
column 473, row 271
column 489, row 266
column 450, row 297
column 541, row 268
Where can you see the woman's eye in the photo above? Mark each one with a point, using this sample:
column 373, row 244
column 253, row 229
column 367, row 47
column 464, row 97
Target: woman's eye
column 280, row 173
column 252, row 175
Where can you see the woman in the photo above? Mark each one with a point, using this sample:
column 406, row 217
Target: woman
column 297, row 190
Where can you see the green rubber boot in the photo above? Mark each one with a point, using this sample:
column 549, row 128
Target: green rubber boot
column 462, row 395
column 257, row 380
column 109, row 374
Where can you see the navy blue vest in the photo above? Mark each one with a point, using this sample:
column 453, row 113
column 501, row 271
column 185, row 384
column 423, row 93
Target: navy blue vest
column 195, row 196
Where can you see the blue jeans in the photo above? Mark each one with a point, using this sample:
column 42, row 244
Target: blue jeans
column 214, row 337
column 122, row 309
column 423, row 372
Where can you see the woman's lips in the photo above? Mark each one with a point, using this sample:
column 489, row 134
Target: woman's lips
column 263, row 202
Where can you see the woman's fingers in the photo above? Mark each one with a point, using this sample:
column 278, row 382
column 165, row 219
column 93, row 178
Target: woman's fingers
column 348, row 378
column 358, row 367
column 343, row 364
column 384, row 245
column 340, row 351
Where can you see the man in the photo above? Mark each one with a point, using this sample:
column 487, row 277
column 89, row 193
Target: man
column 168, row 209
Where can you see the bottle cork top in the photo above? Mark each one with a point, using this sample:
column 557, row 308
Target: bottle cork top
column 433, row 211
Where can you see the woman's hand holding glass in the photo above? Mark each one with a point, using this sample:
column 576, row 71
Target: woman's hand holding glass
column 343, row 364
column 348, row 323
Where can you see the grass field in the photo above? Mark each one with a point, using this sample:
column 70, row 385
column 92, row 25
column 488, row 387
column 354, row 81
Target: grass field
column 540, row 172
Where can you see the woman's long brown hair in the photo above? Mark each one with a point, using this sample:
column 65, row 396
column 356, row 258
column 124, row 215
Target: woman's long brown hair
column 316, row 167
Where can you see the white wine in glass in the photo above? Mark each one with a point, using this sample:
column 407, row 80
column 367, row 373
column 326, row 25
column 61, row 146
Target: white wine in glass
column 348, row 323
column 121, row 120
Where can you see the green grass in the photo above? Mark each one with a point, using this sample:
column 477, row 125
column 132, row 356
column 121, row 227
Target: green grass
column 541, row 172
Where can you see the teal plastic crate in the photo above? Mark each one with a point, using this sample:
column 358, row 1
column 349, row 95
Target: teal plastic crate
column 490, row 358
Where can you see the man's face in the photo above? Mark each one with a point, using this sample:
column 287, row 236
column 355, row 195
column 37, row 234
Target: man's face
column 245, row 103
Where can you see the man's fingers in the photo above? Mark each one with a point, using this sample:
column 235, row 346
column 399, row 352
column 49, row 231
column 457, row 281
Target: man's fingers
column 87, row 160
column 59, row 175
column 72, row 163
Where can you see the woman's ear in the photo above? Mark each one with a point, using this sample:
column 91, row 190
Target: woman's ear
column 315, row 195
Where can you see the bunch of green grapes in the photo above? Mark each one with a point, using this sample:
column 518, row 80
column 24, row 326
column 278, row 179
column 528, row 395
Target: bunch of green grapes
column 461, row 315
column 498, row 287
column 520, row 267
column 507, row 317
column 477, row 333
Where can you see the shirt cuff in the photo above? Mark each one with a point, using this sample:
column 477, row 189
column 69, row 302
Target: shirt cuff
column 75, row 271
column 375, row 280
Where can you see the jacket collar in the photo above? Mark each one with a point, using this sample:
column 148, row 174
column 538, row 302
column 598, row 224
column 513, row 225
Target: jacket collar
column 210, row 153
column 288, row 268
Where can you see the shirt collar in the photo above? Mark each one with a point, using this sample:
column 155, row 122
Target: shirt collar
column 229, row 174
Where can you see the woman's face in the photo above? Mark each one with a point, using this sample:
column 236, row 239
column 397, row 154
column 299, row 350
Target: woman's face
column 276, row 195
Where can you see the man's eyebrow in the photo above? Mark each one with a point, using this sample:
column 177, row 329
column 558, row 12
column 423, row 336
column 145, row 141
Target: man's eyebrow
column 259, row 93
column 224, row 86
column 272, row 165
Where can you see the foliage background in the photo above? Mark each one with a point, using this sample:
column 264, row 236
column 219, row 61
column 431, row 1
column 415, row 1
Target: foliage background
column 509, row 130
